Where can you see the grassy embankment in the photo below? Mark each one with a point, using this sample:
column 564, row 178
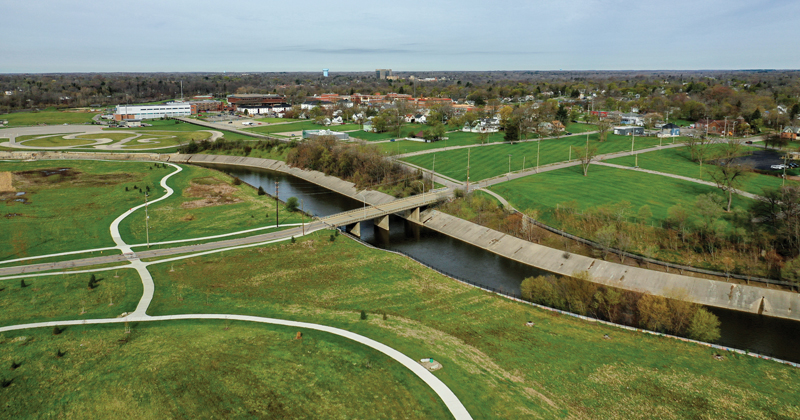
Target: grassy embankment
column 18, row 119
column 205, row 369
column 497, row 366
column 205, row 203
column 488, row 162
column 73, row 210
column 602, row 186
column 67, row 296
column 678, row 161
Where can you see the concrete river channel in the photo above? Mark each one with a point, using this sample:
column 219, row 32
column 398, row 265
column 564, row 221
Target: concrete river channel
column 756, row 333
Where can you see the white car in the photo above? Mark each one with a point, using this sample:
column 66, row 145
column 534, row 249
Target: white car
column 778, row 167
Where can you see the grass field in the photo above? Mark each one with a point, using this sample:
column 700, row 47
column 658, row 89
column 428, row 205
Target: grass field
column 204, row 204
column 603, row 185
column 283, row 128
column 678, row 161
column 209, row 369
column 458, row 138
column 17, row 119
column 275, row 120
column 67, row 296
column 404, row 131
column 57, row 140
column 499, row 368
column 72, row 210
column 580, row 128
column 491, row 161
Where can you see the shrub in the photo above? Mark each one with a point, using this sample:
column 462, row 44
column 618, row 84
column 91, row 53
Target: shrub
column 363, row 314
column 6, row 382
column 704, row 326
column 293, row 240
column 292, row 204
column 458, row 193
column 60, row 353
column 333, row 238
column 261, row 190
column 15, row 365
column 22, row 283
column 57, row 330
column 237, row 181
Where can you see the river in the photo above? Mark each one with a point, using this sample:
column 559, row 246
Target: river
column 760, row 334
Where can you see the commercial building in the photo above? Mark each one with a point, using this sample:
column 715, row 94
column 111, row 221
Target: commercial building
column 258, row 103
column 628, row 130
column 383, row 73
column 145, row 112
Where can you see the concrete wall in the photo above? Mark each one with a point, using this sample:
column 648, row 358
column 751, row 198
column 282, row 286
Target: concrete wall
column 55, row 155
column 776, row 303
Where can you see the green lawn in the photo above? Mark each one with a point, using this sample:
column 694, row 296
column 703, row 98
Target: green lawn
column 70, row 212
column 205, row 203
column 457, row 138
column 678, row 161
column 151, row 139
column 499, row 368
column 405, row 130
column 57, row 140
column 17, row 119
column 205, row 370
column 67, row 296
column 580, row 128
column 491, row 161
column 274, row 120
column 107, row 135
column 603, row 185
column 283, row 128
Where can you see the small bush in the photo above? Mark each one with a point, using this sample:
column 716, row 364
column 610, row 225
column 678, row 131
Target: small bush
column 5, row 383
column 15, row 365
column 237, row 181
column 261, row 190
column 57, row 330
column 293, row 240
column 22, row 283
column 292, row 204
column 333, row 238
column 60, row 353
column 126, row 189
column 458, row 192
column 363, row 314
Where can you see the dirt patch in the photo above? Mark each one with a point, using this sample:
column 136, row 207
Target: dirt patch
column 5, row 182
column 209, row 194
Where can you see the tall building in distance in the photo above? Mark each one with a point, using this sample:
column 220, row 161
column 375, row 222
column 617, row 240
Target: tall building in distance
column 383, row 73
column 324, row 72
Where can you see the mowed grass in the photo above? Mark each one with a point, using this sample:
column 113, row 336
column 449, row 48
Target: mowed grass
column 274, row 120
column 491, row 161
column 152, row 139
column 282, row 128
column 678, row 161
column 205, row 203
column 57, row 140
column 205, row 369
column 498, row 367
column 603, row 185
column 73, row 211
column 67, row 296
column 18, row 119
column 405, row 130
column 456, row 138
column 580, row 128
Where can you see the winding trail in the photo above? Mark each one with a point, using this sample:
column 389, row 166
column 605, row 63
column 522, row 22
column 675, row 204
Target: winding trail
column 450, row 400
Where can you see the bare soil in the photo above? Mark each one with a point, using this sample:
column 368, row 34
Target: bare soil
column 209, row 194
column 5, row 182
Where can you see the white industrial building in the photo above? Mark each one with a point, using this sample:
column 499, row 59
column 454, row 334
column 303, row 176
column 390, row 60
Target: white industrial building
column 144, row 112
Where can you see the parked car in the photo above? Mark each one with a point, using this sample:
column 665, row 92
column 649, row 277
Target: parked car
column 778, row 167
column 748, row 142
column 794, row 165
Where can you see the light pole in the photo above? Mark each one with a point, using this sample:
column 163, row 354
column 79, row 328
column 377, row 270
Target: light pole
column 423, row 190
column 146, row 221
column 509, row 164
column 364, row 198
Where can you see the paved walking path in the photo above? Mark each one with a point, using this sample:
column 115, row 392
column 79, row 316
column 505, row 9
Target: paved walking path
column 450, row 400
column 684, row 178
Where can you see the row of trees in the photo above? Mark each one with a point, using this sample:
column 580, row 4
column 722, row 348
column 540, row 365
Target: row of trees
column 363, row 165
column 578, row 294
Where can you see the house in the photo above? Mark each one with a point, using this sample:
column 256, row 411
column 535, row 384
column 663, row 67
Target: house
column 368, row 127
column 632, row 119
column 337, row 121
column 629, row 130
column 670, row 129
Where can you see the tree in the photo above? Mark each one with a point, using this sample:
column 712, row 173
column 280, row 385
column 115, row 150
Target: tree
column 699, row 146
column 729, row 173
column 603, row 126
column 654, row 313
column 261, row 190
column 562, row 114
column 605, row 237
column 704, row 326
column 586, row 155
column 292, row 204
column 791, row 270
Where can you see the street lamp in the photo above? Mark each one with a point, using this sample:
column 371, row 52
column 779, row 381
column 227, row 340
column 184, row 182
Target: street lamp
column 423, row 190
column 509, row 164
column 364, row 198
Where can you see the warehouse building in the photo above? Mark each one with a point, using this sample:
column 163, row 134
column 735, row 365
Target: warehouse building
column 146, row 112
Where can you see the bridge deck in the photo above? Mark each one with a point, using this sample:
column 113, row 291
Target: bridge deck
column 372, row 212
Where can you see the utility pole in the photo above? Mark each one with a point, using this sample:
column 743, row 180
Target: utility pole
column 468, row 150
column 277, row 205
column 433, row 170
column 303, row 215
column 538, row 144
column 509, row 163
column 633, row 139
column 523, row 164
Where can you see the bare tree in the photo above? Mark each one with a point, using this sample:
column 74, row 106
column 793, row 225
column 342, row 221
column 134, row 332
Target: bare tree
column 603, row 127
column 699, row 147
column 728, row 173
column 586, row 155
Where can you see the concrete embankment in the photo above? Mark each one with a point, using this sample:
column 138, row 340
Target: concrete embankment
column 771, row 302
column 144, row 157
column 315, row 177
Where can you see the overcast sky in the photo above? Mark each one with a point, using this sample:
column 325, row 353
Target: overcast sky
column 141, row 36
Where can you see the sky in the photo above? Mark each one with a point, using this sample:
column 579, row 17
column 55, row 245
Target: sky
column 58, row 36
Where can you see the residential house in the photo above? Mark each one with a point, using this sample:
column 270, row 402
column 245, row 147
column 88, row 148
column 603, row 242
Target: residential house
column 629, row 130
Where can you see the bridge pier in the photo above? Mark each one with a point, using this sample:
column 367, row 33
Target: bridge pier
column 354, row 229
column 412, row 214
column 382, row 222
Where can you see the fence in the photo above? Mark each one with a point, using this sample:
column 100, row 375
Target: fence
column 518, row 298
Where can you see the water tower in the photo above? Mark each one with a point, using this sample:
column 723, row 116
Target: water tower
column 324, row 72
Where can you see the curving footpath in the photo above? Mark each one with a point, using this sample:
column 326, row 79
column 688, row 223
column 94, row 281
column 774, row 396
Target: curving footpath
column 452, row 402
